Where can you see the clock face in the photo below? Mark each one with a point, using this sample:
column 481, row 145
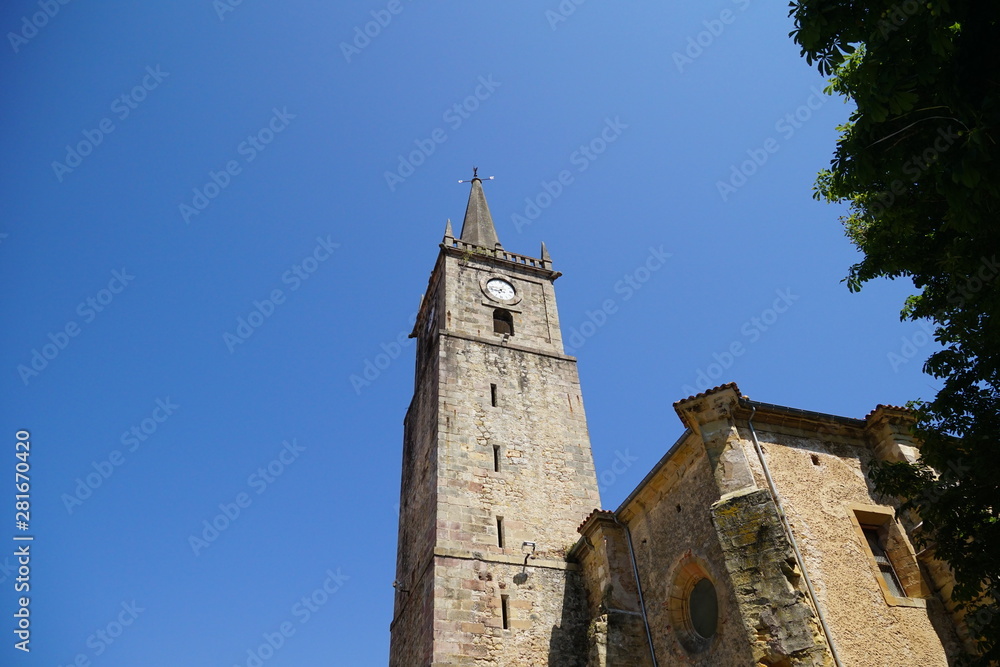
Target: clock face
column 500, row 289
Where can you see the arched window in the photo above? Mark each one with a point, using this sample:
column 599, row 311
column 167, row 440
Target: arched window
column 694, row 605
column 503, row 322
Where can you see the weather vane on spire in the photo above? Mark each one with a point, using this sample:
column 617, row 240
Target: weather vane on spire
column 475, row 176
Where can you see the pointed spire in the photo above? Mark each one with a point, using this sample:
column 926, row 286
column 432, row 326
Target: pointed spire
column 478, row 225
column 546, row 258
column 448, row 233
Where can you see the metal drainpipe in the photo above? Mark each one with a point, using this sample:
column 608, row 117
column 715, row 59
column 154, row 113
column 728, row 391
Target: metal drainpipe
column 638, row 585
column 791, row 538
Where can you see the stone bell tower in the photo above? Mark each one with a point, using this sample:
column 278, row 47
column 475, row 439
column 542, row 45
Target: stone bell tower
column 497, row 468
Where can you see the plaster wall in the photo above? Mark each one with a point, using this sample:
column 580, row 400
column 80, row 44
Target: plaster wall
column 819, row 479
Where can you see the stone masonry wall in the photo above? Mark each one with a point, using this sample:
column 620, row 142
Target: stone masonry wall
column 617, row 635
column 546, row 484
column 673, row 536
column 470, row 312
column 769, row 587
column 819, row 478
column 536, row 434
column 412, row 626
column 545, row 614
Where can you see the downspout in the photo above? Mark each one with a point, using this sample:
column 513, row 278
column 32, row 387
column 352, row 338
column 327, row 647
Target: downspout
column 638, row 585
column 791, row 539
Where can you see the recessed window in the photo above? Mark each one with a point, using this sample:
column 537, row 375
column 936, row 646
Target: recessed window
column 875, row 543
column 895, row 567
column 503, row 322
column 693, row 605
column 500, row 532
column 496, row 458
column 703, row 609
column 430, row 321
column 493, row 395
column 505, row 612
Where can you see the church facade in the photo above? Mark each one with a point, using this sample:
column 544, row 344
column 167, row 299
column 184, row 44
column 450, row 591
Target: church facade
column 755, row 540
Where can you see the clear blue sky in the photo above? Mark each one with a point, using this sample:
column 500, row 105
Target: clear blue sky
column 251, row 142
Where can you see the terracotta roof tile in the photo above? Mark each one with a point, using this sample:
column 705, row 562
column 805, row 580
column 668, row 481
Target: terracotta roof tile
column 728, row 385
column 895, row 408
column 607, row 513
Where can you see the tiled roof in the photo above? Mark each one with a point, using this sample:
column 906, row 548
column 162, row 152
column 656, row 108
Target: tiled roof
column 894, row 408
column 728, row 385
column 607, row 513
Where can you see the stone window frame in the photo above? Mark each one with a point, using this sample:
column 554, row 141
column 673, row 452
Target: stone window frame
column 898, row 551
column 505, row 317
column 688, row 571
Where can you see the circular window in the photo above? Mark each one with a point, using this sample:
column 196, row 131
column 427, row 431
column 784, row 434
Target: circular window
column 703, row 609
column 693, row 605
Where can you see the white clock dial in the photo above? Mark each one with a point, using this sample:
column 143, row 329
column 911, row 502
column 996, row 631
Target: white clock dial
column 500, row 289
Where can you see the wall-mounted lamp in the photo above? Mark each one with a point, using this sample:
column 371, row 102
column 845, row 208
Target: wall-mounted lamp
column 528, row 549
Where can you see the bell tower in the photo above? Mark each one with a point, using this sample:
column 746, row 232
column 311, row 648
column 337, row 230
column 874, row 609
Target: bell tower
column 497, row 468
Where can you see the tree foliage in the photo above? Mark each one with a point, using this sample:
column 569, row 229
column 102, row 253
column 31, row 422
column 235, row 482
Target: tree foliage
column 919, row 163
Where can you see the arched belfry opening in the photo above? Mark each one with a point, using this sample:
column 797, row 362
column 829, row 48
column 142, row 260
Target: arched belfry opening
column 503, row 322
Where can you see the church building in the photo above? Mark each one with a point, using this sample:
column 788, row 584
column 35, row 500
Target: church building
column 756, row 540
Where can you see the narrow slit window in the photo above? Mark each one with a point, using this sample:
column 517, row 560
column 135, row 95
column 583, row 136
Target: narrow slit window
column 503, row 322
column 882, row 559
column 493, row 395
column 505, row 611
column 496, row 458
column 500, row 532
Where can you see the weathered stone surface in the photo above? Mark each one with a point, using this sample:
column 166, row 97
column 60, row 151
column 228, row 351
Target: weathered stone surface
column 617, row 634
column 498, row 475
column 822, row 479
column 712, row 418
column 617, row 639
column 545, row 614
column 770, row 593
column 496, row 455
column 675, row 545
